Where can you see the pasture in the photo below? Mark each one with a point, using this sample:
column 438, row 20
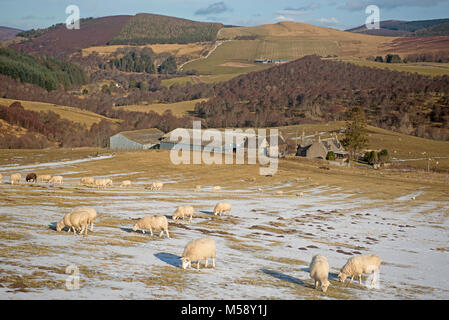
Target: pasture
column 263, row 247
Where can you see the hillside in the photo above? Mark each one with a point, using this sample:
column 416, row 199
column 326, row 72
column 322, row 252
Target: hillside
column 61, row 41
column 157, row 29
column 8, row 33
column 432, row 27
column 311, row 89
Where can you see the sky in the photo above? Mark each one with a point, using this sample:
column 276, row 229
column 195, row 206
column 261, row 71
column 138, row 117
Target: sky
column 345, row 14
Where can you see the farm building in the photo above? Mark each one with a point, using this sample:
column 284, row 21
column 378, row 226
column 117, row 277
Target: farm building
column 318, row 148
column 136, row 140
column 235, row 142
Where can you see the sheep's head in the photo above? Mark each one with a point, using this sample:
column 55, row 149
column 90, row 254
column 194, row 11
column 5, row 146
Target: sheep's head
column 175, row 217
column 135, row 227
column 342, row 276
column 325, row 285
column 60, row 226
column 185, row 262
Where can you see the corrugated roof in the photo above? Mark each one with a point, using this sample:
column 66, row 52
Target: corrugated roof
column 144, row 136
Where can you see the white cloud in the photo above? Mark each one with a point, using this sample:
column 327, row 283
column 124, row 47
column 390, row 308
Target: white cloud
column 283, row 18
column 329, row 21
column 291, row 12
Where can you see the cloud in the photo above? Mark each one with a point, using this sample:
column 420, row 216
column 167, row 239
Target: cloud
column 298, row 11
column 215, row 8
column 329, row 21
column 283, row 18
column 355, row 5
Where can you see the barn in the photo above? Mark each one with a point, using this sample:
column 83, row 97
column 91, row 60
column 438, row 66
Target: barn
column 136, row 140
column 319, row 148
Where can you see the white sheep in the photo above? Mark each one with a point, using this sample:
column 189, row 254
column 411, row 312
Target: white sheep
column 319, row 271
column 197, row 250
column 109, row 182
column 76, row 221
column 216, row 188
column 279, row 193
column 355, row 266
column 222, row 207
column 92, row 213
column 299, row 194
column 15, row 177
column 87, row 181
column 197, row 188
column 155, row 186
column 100, row 183
column 152, row 222
column 43, row 178
column 182, row 212
column 56, row 179
column 126, row 183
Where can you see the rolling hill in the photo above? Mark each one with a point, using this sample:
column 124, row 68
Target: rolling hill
column 434, row 27
column 7, row 33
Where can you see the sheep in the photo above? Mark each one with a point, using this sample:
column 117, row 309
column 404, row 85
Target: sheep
column 368, row 263
column 77, row 221
column 216, row 188
column 260, row 189
column 156, row 186
column 319, row 271
column 197, row 188
column 31, row 177
column 15, row 177
column 109, row 182
column 222, row 207
column 100, row 183
column 126, row 183
column 91, row 213
column 56, row 179
column 299, row 194
column 279, row 193
column 152, row 222
column 43, row 178
column 181, row 212
column 197, row 250
column 87, row 181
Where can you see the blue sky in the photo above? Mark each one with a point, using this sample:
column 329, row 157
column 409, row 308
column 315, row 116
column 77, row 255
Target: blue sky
column 27, row 14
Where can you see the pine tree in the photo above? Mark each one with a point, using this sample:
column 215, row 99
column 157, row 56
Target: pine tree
column 356, row 134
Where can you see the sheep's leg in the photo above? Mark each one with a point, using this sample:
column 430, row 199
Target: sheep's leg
column 198, row 265
column 352, row 278
column 143, row 231
column 91, row 227
column 213, row 262
column 374, row 279
column 360, row 279
column 316, row 284
column 151, row 231
column 161, row 234
column 166, row 231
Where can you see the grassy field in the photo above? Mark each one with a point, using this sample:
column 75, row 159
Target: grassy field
column 178, row 109
column 424, row 68
column 70, row 113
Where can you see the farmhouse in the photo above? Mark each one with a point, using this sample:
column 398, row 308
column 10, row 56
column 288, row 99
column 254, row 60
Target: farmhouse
column 319, row 148
column 136, row 140
column 235, row 142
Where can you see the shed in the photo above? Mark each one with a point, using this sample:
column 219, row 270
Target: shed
column 136, row 140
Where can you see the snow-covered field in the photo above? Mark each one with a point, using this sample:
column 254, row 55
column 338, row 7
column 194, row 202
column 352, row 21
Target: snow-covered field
column 263, row 248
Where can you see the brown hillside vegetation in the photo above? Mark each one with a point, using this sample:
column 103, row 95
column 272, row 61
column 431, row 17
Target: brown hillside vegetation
column 62, row 41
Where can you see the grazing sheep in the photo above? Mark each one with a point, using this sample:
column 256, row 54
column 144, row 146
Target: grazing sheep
column 260, row 190
column 181, row 212
column 413, row 198
column 15, row 177
column 355, row 266
column 319, row 271
column 87, row 181
column 91, row 213
column 126, row 183
column 109, row 182
column 77, row 221
column 300, row 194
column 150, row 223
column 155, row 186
column 100, row 183
column 222, row 207
column 216, row 188
column 31, row 177
column 197, row 250
column 197, row 188
column 43, row 178
column 280, row 193
column 56, row 179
